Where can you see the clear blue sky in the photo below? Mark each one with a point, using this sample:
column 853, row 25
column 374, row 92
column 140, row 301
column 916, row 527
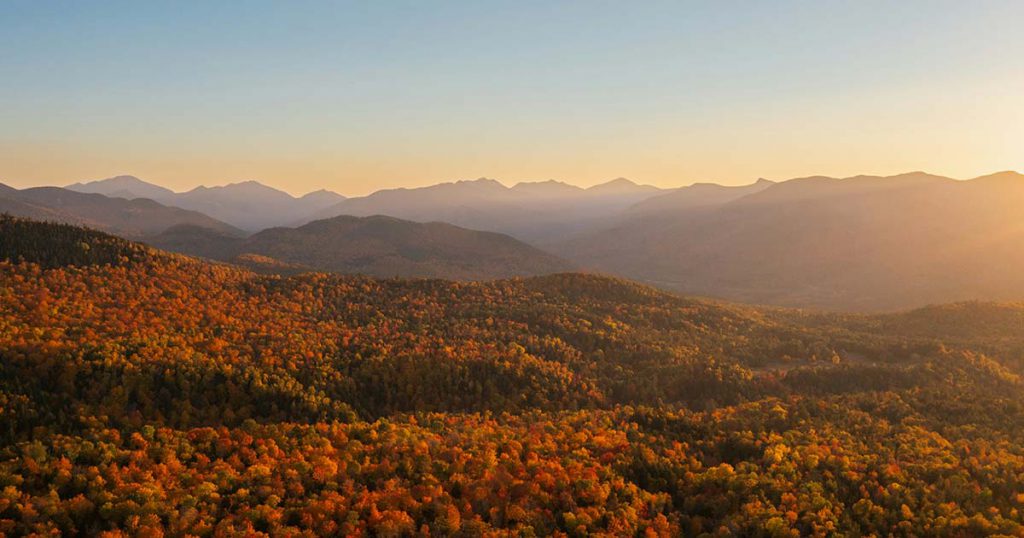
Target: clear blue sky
column 359, row 96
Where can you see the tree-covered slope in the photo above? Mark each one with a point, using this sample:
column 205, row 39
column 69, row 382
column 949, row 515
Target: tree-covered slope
column 57, row 245
column 146, row 393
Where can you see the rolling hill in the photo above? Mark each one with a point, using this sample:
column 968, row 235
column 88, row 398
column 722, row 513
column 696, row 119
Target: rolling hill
column 381, row 246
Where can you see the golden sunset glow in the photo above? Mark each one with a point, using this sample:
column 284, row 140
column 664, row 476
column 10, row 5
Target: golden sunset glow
column 666, row 95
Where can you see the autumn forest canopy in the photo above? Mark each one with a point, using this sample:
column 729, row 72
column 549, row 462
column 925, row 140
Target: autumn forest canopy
column 144, row 392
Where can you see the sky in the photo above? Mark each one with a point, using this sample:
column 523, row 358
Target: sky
column 359, row 96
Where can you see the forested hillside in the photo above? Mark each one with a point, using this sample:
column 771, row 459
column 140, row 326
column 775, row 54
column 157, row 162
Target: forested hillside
column 145, row 393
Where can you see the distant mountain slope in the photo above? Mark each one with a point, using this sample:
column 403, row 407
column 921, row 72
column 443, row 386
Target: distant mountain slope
column 699, row 195
column 624, row 187
column 538, row 211
column 248, row 205
column 318, row 200
column 546, row 189
column 129, row 218
column 531, row 211
column 129, row 187
column 421, row 203
column 381, row 246
column 861, row 243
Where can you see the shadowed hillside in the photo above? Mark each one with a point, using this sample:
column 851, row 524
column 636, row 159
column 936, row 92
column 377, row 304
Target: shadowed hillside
column 56, row 245
column 381, row 246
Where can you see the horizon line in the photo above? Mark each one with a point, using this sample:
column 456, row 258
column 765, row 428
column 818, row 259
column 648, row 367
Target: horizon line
column 508, row 186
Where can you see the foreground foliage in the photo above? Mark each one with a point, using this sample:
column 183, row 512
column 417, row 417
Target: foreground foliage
column 146, row 393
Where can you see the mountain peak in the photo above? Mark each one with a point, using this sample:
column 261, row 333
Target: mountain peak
column 618, row 181
column 480, row 183
column 248, row 186
column 918, row 174
column 125, row 178
column 620, row 185
column 122, row 180
column 123, row 186
column 322, row 193
column 549, row 185
column 319, row 200
column 1006, row 175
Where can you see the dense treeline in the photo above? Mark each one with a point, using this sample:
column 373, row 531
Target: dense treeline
column 55, row 245
column 146, row 393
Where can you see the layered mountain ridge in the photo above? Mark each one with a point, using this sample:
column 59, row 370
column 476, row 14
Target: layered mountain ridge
column 249, row 205
column 860, row 243
column 856, row 243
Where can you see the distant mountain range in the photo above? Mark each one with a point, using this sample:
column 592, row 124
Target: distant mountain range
column 379, row 246
column 695, row 197
column 541, row 211
column 860, row 243
column 128, row 218
column 532, row 211
column 248, row 205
